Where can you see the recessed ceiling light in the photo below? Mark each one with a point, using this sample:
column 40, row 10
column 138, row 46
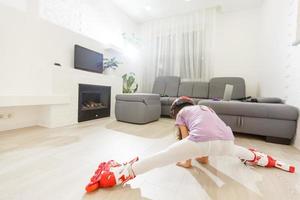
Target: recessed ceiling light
column 148, row 8
column 187, row 0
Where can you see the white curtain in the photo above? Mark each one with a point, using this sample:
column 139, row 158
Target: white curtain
column 178, row 46
column 297, row 40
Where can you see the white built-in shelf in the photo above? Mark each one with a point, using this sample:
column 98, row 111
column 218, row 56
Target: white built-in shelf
column 11, row 101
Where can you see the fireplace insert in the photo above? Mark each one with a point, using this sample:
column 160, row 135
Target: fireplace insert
column 93, row 102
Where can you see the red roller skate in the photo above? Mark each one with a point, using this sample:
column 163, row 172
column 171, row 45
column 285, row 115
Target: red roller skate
column 98, row 178
column 124, row 173
column 264, row 160
column 110, row 174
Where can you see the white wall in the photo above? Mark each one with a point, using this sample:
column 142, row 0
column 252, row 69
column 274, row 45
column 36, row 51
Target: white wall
column 35, row 34
column 280, row 72
column 273, row 49
column 100, row 20
column 30, row 45
column 236, row 45
column 26, row 61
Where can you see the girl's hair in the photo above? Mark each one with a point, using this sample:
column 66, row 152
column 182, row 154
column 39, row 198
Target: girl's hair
column 178, row 108
column 178, row 104
column 176, row 111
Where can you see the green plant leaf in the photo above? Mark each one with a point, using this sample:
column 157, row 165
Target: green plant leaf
column 111, row 63
column 130, row 81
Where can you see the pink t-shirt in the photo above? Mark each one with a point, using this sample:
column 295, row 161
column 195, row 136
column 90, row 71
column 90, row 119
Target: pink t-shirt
column 203, row 124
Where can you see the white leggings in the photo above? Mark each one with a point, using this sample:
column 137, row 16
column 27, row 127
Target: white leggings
column 187, row 149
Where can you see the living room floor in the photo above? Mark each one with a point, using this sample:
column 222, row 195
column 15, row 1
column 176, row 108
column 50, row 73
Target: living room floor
column 40, row 163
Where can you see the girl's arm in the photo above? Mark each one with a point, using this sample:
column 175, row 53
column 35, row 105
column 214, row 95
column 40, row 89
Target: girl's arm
column 184, row 132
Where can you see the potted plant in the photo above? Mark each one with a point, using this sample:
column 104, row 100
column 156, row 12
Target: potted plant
column 129, row 83
column 110, row 64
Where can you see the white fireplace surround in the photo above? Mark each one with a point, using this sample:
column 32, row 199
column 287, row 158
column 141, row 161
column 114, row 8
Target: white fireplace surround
column 59, row 109
column 66, row 82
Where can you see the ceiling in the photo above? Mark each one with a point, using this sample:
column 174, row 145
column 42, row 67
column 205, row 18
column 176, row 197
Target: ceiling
column 145, row 10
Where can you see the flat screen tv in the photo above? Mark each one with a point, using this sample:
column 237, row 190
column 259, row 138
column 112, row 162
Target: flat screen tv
column 86, row 59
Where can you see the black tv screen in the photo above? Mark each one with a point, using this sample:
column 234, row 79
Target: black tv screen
column 86, row 59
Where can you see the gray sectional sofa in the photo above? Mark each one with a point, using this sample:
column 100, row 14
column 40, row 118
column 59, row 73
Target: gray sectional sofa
column 276, row 121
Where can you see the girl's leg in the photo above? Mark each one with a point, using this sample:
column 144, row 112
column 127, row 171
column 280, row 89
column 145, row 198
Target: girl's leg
column 186, row 149
column 254, row 157
column 243, row 153
column 185, row 164
column 203, row 160
column 224, row 147
column 182, row 150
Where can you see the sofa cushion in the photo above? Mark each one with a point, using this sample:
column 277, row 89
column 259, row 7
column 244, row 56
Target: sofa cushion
column 217, row 87
column 172, row 85
column 166, row 86
column 195, row 89
column 186, row 89
column 259, row 110
column 159, row 86
column 196, row 100
column 200, row 90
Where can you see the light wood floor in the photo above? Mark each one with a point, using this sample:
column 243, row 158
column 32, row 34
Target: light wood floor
column 40, row 163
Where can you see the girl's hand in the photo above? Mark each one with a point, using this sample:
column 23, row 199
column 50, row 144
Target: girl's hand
column 183, row 132
column 185, row 164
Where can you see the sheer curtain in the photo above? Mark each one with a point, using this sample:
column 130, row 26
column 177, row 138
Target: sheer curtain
column 178, row 46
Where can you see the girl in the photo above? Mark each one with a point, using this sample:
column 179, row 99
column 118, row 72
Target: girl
column 202, row 134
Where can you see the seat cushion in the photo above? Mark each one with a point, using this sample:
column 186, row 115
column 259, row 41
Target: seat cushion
column 269, row 100
column 259, row 110
column 138, row 97
column 164, row 100
column 170, row 100
column 217, row 87
column 167, row 100
column 137, row 110
column 196, row 100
